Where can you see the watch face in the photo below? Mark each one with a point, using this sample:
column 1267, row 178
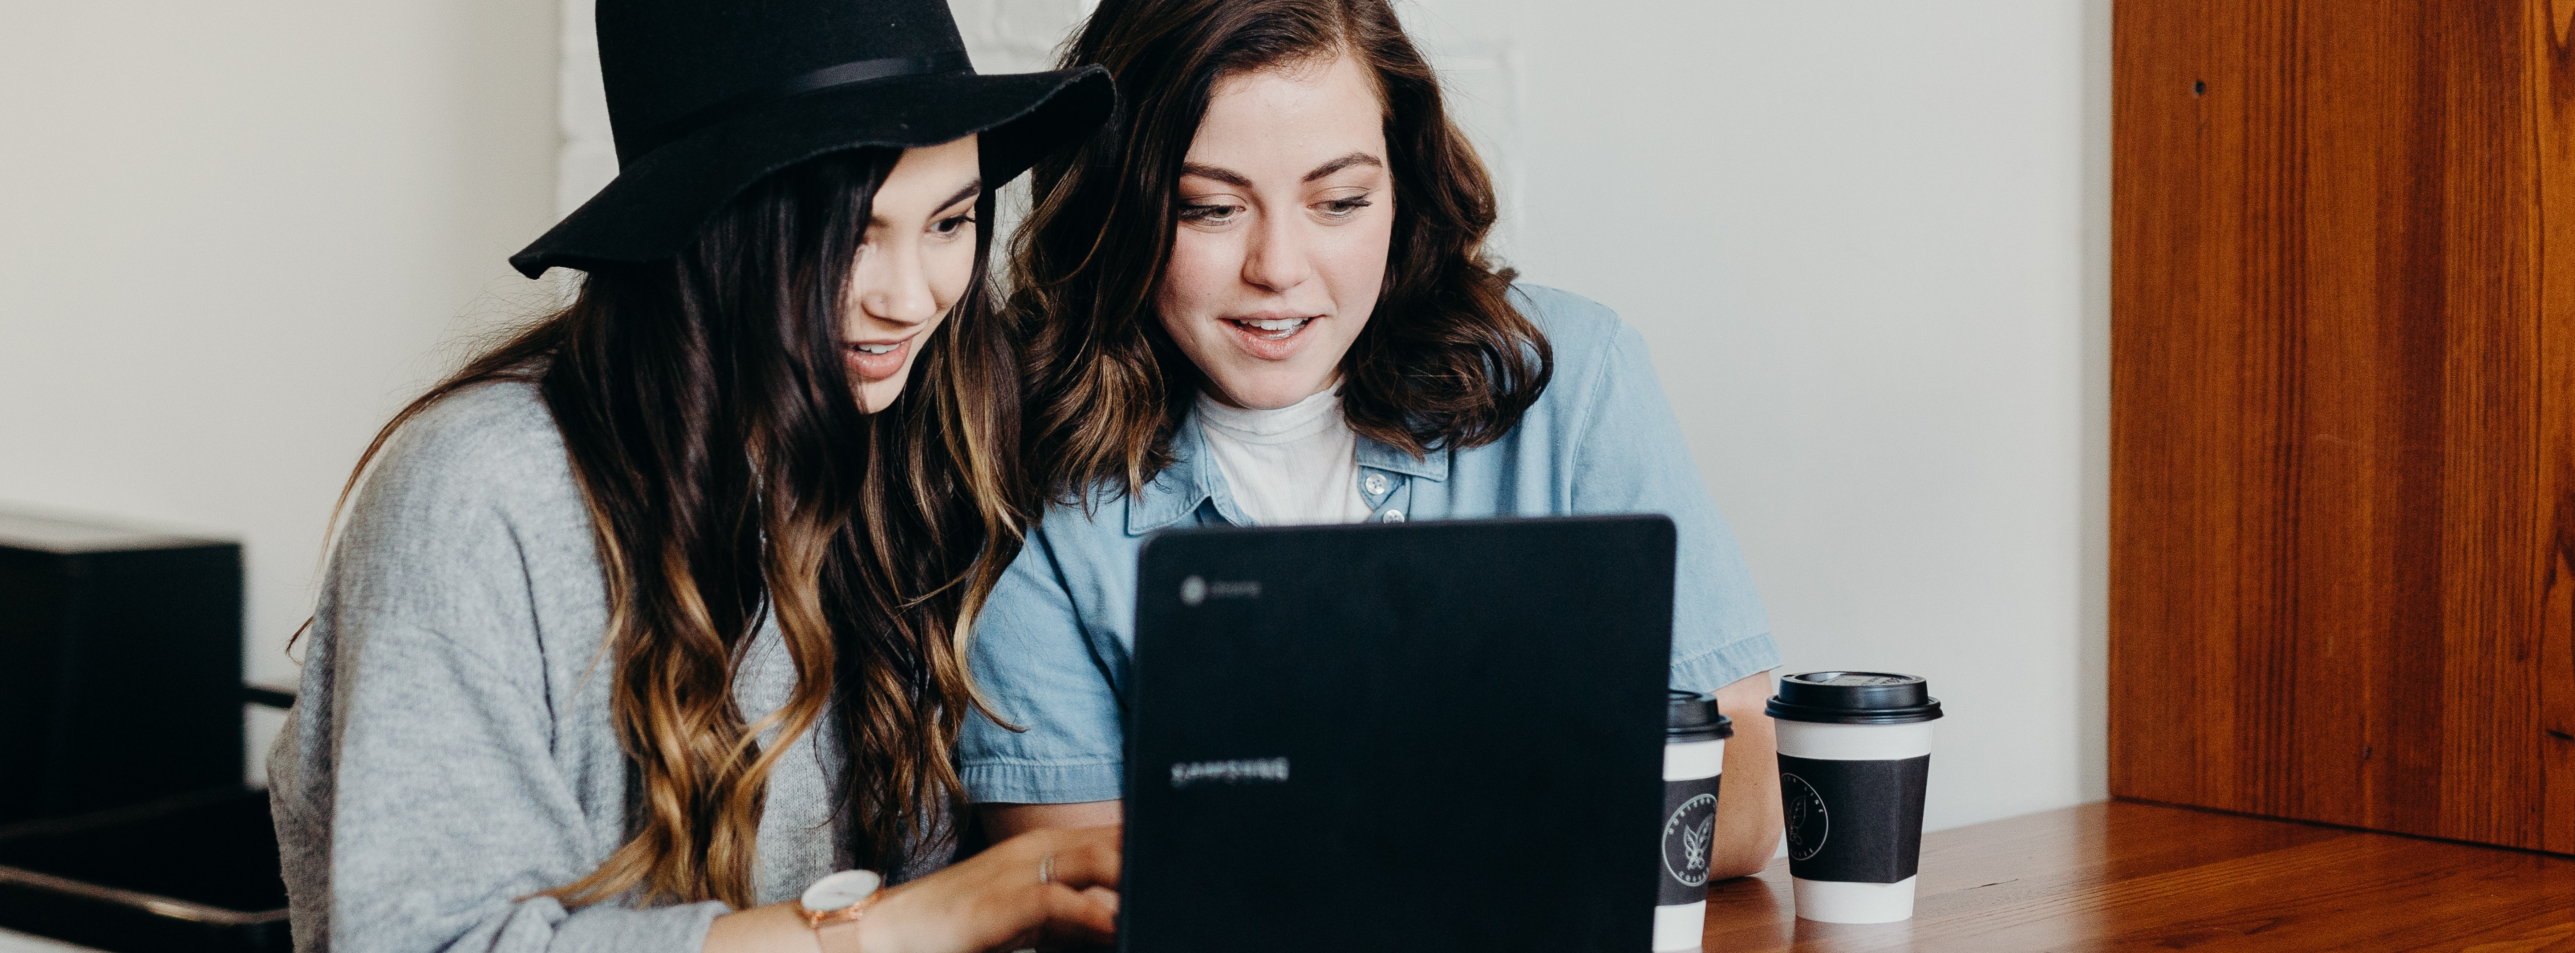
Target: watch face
column 840, row 890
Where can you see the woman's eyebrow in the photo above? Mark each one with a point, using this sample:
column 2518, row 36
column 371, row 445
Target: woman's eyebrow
column 971, row 190
column 1227, row 176
column 1336, row 165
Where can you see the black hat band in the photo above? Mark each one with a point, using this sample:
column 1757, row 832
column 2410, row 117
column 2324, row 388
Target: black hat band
column 856, row 71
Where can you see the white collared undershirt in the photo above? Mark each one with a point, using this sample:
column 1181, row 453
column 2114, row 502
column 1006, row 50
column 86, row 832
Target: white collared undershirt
column 1298, row 464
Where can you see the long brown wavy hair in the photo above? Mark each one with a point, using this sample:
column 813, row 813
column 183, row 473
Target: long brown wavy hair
column 731, row 475
column 1444, row 361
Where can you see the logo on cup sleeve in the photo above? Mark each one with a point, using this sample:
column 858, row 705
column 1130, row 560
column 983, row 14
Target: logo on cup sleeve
column 1687, row 835
column 1807, row 820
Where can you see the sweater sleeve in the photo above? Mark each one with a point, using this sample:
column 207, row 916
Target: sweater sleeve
column 420, row 797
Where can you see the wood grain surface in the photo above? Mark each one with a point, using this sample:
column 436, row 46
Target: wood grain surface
column 2127, row 876
column 2341, row 386
column 2552, row 55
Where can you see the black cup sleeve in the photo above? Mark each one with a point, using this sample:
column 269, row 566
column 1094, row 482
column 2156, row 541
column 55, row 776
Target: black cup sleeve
column 1689, row 838
column 1853, row 821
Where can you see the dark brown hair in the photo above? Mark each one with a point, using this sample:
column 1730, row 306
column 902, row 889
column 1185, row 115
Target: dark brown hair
column 1445, row 360
column 731, row 474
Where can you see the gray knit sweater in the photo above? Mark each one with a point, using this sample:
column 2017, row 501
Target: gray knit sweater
column 451, row 751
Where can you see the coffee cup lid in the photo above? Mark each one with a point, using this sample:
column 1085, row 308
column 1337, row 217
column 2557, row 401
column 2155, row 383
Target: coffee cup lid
column 1692, row 716
column 1854, row 698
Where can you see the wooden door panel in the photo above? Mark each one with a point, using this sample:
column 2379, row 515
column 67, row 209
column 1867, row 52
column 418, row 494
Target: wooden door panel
column 2334, row 525
column 2552, row 59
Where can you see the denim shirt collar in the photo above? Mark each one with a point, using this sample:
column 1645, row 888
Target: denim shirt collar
column 1377, row 456
column 1180, row 489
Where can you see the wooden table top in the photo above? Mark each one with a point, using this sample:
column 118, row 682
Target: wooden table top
column 2132, row 876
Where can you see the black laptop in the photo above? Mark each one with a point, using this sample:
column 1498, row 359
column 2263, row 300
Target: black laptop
column 1427, row 737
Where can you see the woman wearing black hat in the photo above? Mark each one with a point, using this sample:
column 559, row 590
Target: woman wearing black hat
column 646, row 631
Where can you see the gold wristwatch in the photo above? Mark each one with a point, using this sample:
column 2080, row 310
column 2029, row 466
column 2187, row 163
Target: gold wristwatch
column 834, row 905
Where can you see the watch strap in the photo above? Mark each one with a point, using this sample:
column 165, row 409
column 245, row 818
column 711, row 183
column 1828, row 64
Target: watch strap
column 840, row 934
column 837, row 930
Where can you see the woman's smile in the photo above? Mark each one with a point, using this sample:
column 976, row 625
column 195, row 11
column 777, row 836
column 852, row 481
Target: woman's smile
column 1270, row 336
column 873, row 361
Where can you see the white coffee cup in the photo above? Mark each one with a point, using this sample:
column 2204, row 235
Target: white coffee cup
column 1854, row 756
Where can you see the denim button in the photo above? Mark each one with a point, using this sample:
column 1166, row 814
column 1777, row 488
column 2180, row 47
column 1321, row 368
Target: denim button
column 1391, row 516
column 1375, row 484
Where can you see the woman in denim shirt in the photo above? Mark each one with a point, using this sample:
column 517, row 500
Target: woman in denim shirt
column 1261, row 298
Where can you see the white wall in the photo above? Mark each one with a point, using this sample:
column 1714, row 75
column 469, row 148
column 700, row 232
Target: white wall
column 234, row 237
column 1867, row 242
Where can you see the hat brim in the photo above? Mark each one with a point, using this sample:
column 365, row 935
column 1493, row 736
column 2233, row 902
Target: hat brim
column 658, row 202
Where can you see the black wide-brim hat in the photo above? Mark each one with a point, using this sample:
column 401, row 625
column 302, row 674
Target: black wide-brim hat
column 707, row 96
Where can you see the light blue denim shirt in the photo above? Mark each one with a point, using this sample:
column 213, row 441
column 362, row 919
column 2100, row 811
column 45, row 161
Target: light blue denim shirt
column 1052, row 647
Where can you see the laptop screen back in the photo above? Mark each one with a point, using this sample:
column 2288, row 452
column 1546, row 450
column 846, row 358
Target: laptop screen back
column 1421, row 737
